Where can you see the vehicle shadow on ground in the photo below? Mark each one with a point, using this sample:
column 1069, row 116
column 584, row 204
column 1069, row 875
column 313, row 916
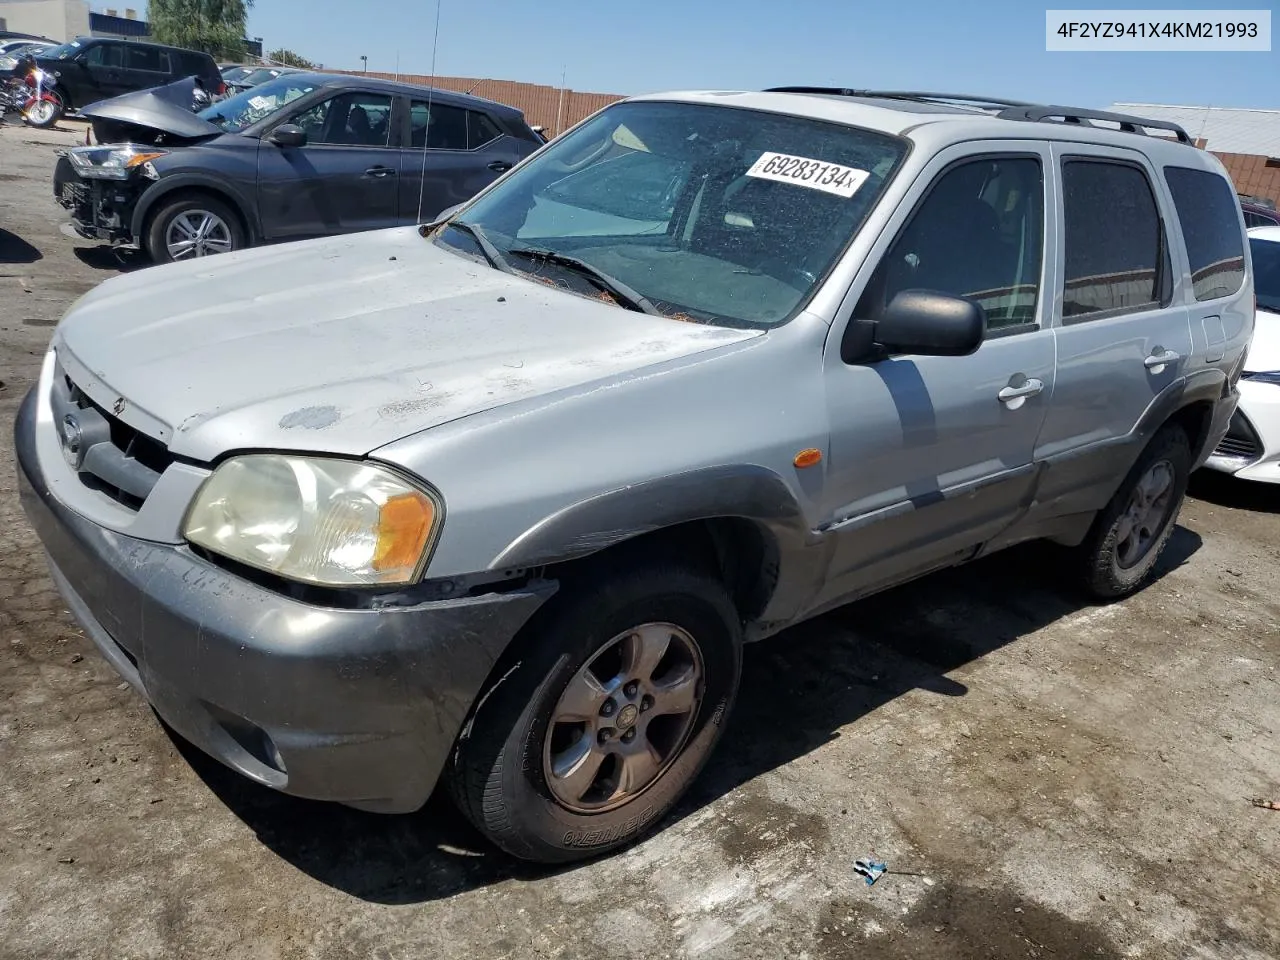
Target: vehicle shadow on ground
column 798, row 691
column 110, row 258
column 13, row 249
column 1224, row 490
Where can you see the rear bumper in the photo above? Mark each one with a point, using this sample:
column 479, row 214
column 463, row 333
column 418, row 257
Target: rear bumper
column 358, row 706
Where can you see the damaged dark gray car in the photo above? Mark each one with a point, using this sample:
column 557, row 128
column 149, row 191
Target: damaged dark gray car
column 304, row 155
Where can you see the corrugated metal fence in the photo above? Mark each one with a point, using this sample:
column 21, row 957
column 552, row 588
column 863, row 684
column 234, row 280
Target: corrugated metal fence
column 550, row 107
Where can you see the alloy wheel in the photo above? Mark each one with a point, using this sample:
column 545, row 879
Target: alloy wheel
column 623, row 718
column 197, row 233
column 1143, row 519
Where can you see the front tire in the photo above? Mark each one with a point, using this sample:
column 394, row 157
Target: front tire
column 188, row 227
column 45, row 113
column 1120, row 553
column 621, row 690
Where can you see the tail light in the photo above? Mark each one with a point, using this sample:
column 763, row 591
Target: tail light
column 222, row 88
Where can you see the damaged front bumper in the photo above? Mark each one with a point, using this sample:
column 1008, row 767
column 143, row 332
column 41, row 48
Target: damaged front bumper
column 355, row 705
column 100, row 209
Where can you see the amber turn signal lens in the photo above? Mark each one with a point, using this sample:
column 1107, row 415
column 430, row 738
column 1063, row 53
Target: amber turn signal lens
column 138, row 159
column 808, row 458
column 404, row 523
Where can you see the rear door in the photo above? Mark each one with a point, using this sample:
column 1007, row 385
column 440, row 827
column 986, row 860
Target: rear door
column 931, row 457
column 346, row 177
column 453, row 152
column 146, row 66
column 1123, row 331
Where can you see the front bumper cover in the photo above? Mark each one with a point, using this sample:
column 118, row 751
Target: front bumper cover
column 359, row 706
column 100, row 209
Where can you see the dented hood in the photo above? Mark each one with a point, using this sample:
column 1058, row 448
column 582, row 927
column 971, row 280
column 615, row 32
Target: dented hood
column 164, row 109
column 344, row 344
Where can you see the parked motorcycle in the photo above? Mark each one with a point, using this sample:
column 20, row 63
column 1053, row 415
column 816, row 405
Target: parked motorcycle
column 43, row 107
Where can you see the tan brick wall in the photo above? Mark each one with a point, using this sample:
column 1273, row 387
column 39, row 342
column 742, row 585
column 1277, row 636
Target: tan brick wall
column 1252, row 175
column 556, row 111
column 543, row 106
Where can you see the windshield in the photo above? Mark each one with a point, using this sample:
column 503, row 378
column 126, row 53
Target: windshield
column 253, row 78
column 1266, row 272
column 63, row 51
column 257, row 103
column 714, row 214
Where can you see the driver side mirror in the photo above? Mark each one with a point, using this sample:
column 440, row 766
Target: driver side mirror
column 926, row 323
column 288, row 135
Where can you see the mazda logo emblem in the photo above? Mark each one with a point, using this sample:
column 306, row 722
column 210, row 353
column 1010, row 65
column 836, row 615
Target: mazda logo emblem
column 72, row 441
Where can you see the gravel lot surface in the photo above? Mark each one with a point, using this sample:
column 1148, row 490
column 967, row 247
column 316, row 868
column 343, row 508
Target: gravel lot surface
column 1044, row 778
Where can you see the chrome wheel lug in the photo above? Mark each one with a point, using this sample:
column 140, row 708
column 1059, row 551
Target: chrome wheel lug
column 646, row 703
column 605, row 735
column 629, row 735
column 631, row 689
column 608, row 708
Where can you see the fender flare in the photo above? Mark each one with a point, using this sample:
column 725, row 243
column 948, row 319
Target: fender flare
column 588, row 526
column 167, row 185
column 1207, row 385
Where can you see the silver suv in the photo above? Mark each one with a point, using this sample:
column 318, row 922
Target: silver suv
column 499, row 499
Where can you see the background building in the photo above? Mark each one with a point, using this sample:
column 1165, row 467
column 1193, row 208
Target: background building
column 59, row 20
column 1246, row 141
column 64, row 20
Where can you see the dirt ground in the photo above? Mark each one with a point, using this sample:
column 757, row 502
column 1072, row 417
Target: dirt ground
column 1044, row 778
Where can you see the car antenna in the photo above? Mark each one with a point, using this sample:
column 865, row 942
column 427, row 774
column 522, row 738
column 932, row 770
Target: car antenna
column 426, row 131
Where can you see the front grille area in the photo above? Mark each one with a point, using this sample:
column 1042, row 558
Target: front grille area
column 107, row 454
column 1241, row 442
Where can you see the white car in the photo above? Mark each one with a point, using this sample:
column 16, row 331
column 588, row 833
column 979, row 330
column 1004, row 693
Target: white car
column 1251, row 448
column 11, row 51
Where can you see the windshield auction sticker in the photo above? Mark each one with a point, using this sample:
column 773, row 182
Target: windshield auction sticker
column 805, row 172
column 1160, row 30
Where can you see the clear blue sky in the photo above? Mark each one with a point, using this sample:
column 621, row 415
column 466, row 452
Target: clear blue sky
column 993, row 47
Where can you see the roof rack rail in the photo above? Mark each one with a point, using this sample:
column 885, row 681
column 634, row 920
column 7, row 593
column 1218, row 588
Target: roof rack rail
column 958, row 98
column 1076, row 115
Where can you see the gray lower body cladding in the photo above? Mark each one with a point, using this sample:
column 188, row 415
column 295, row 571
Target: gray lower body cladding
column 358, row 706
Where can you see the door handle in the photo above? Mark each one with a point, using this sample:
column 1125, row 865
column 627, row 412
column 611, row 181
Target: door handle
column 1161, row 358
column 500, row 166
column 1028, row 388
column 379, row 172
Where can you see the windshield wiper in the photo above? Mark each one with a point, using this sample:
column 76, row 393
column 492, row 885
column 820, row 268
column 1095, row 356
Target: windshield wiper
column 611, row 285
column 491, row 253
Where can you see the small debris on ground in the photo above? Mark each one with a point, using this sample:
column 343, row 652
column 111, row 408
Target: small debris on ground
column 66, row 859
column 1265, row 804
column 870, row 870
column 77, row 658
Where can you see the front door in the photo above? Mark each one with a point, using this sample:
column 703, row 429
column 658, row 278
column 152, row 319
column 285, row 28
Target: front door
column 464, row 152
column 1124, row 332
column 103, row 74
column 930, row 457
column 346, row 177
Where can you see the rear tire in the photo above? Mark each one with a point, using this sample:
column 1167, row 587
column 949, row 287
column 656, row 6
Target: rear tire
column 1122, row 549
column 175, row 234
column 543, row 786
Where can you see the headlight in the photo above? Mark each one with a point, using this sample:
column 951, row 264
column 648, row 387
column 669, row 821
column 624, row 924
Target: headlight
column 1270, row 376
column 111, row 163
column 323, row 521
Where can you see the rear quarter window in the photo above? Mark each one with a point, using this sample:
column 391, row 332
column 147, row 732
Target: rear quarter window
column 1210, row 220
